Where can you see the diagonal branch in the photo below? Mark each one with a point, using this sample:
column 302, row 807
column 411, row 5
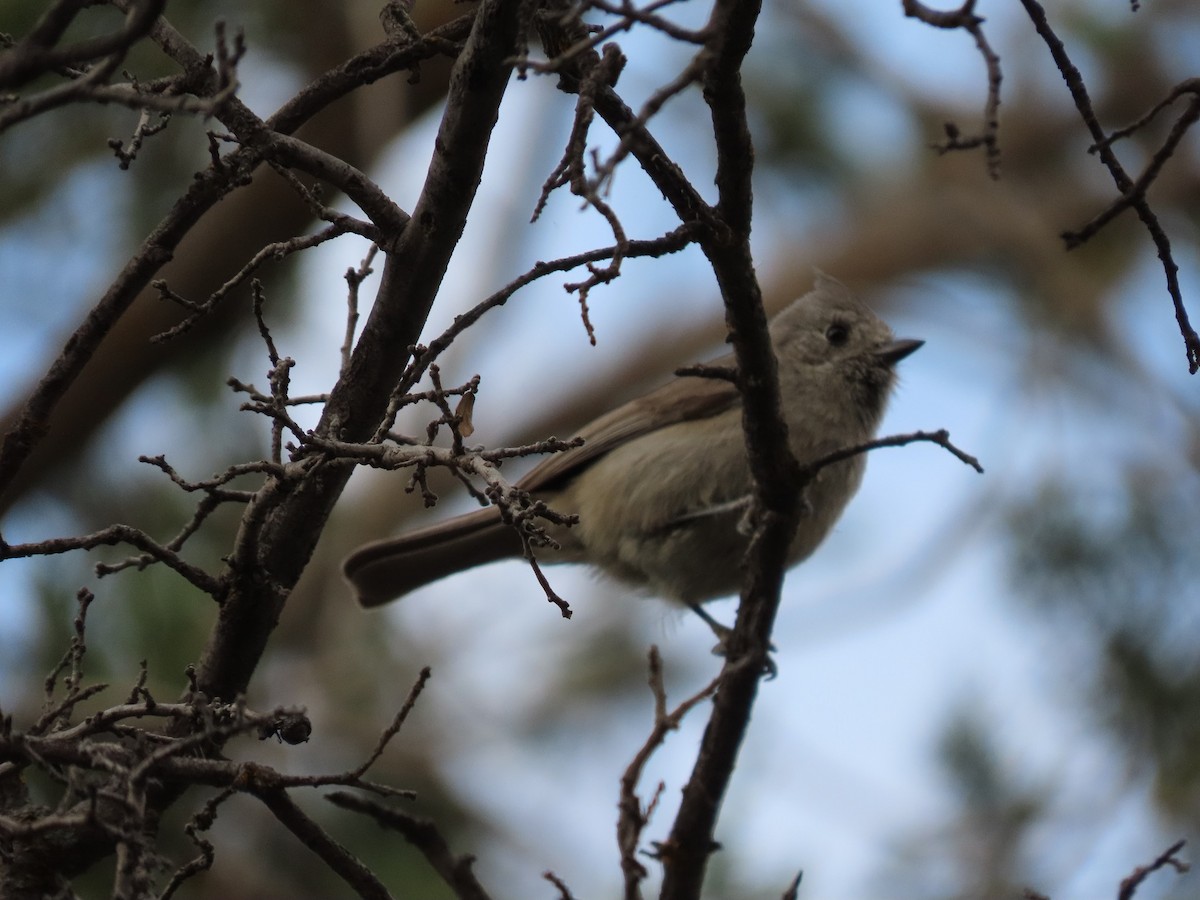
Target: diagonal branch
column 424, row 835
column 36, row 53
column 206, row 190
column 1102, row 145
column 280, row 530
column 340, row 860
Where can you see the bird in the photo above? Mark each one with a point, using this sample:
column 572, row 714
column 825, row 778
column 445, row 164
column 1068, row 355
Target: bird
column 661, row 485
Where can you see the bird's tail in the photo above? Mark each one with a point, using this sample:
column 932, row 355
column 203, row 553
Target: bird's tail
column 387, row 570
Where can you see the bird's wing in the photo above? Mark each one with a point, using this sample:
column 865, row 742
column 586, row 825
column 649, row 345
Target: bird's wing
column 680, row 400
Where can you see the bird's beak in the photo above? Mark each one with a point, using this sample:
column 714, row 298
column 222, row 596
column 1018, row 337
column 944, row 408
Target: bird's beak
column 891, row 353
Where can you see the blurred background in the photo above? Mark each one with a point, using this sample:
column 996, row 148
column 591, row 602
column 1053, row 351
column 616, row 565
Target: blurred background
column 985, row 682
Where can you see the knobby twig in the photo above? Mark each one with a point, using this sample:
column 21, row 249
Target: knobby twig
column 119, row 752
column 119, row 534
column 1133, row 881
column 965, row 18
column 633, row 816
column 207, row 189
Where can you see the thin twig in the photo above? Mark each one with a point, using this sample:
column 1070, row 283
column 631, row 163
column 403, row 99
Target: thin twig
column 119, row 534
column 1130, row 884
column 965, row 18
column 632, row 818
column 940, row 437
column 1102, row 147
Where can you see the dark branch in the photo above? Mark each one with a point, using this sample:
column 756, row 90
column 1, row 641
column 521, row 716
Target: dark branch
column 424, row 835
column 1102, row 146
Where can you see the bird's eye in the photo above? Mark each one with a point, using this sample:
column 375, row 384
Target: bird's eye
column 837, row 333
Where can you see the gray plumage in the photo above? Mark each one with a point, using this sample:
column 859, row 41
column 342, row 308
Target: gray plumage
column 661, row 483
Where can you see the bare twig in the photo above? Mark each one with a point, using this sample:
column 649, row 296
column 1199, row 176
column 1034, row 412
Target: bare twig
column 564, row 892
column 1130, row 884
column 585, row 40
column 207, row 189
column 340, row 860
column 671, row 242
column 354, row 280
column 277, row 250
column 72, row 664
column 527, row 544
column 119, row 534
column 632, row 816
column 1124, row 183
column 146, row 127
column 1136, row 192
column 940, row 437
column 965, row 18
column 215, row 485
column 201, row 821
column 390, row 732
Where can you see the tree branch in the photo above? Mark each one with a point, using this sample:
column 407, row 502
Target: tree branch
column 424, row 835
column 205, row 191
column 281, row 528
column 1102, row 145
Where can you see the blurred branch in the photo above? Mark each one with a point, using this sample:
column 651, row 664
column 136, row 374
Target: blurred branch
column 423, row 834
column 632, row 816
column 1130, row 884
column 564, row 893
column 38, row 53
column 964, row 18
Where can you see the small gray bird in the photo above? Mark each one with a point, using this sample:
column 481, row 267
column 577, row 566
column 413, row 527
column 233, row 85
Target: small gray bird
column 661, row 485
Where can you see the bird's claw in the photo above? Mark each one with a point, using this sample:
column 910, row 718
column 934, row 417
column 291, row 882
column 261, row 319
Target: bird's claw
column 724, row 633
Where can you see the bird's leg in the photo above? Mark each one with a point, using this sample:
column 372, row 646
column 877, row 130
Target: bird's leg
column 723, row 633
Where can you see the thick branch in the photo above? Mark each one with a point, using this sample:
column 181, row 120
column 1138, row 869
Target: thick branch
column 281, row 528
column 771, row 462
column 36, row 53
